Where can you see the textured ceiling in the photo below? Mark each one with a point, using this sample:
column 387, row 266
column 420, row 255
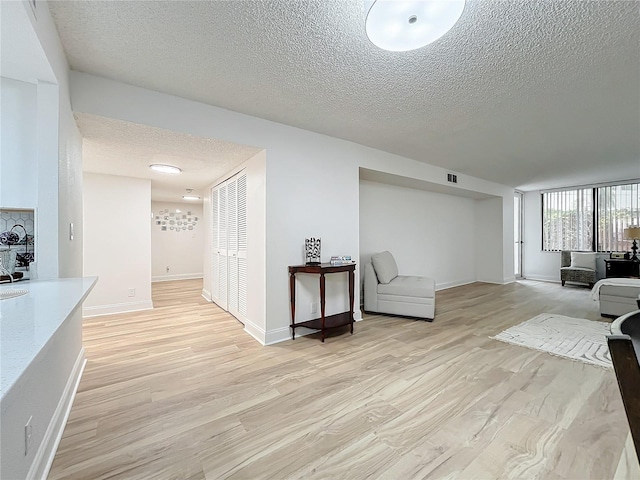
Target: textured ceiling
column 525, row 93
column 115, row 147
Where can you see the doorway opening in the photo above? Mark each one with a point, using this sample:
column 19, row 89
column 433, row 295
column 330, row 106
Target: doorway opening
column 517, row 234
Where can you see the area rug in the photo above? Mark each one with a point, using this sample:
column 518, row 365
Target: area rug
column 573, row 338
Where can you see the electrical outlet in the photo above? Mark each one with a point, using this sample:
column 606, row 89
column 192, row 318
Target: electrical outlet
column 132, row 292
column 28, row 431
column 314, row 307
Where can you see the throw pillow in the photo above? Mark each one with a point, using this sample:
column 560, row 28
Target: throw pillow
column 385, row 266
column 583, row 260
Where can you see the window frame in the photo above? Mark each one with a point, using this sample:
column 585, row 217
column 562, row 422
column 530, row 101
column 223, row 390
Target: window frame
column 595, row 237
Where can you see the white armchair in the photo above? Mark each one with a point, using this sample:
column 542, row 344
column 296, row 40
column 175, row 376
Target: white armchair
column 387, row 292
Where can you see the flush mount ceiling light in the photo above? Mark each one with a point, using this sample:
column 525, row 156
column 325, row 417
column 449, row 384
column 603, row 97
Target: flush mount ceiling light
column 161, row 168
column 188, row 196
column 402, row 25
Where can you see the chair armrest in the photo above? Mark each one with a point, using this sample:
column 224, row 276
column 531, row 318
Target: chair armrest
column 370, row 288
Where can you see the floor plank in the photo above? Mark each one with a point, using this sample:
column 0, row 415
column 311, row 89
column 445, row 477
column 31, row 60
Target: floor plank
column 181, row 391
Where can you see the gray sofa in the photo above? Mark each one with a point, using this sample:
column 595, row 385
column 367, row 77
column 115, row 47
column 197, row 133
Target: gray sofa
column 387, row 292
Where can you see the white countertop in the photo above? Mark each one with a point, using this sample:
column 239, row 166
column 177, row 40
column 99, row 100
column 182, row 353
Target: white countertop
column 29, row 321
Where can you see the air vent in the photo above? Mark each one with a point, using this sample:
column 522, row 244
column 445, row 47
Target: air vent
column 452, row 178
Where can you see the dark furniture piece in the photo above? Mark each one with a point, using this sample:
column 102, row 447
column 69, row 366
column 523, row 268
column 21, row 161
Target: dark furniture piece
column 322, row 323
column 575, row 274
column 620, row 268
column 624, row 345
column 15, row 276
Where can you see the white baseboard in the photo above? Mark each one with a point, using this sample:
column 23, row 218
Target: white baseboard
column 206, row 294
column 542, row 278
column 457, row 283
column 255, row 331
column 180, row 276
column 284, row 333
column 47, row 451
column 116, row 308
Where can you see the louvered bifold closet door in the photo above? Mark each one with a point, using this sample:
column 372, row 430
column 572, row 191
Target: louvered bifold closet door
column 223, row 249
column 232, row 224
column 229, row 245
column 242, row 246
column 215, row 243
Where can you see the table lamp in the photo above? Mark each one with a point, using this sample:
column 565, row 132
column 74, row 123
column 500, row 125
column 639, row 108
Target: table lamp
column 632, row 233
column 312, row 251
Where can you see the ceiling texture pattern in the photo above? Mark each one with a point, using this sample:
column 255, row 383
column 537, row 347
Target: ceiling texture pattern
column 114, row 147
column 525, row 93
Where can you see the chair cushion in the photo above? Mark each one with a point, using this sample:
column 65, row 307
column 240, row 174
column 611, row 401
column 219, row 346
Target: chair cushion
column 576, row 269
column 583, row 260
column 409, row 286
column 385, row 266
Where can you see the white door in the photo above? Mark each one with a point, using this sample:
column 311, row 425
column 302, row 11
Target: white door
column 229, row 245
column 232, row 225
column 215, row 243
column 517, row 234
column 219, row 283
column 242, row 246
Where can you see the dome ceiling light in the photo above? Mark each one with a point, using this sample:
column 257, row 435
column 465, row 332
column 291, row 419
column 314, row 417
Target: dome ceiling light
column 161, row 168
column 189, row 195
column 402, row 25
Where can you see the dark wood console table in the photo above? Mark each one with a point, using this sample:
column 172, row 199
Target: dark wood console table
column 619, row 268
column 322, row 323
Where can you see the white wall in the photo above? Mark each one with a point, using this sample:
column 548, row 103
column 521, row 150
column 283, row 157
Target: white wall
column 49, row 162
column 255, row 168
column 311, row 179
column 181, row 252
column 60, row 198
column 29, row 124
column 31, row 51
column 422, row 231
column 117, row 243
column 19, row 180
column 43, row 392
column 486, row 244
column 70, row 192
column 537, row 264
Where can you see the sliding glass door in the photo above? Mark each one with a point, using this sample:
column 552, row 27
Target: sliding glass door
column 517, row 234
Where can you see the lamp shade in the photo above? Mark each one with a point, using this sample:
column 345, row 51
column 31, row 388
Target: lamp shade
column 632, row 233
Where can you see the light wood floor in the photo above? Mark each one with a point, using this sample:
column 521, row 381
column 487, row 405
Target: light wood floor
column 181, row 392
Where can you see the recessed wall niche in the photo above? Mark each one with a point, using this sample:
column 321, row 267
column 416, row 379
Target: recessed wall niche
column 175, row 220
column 17, row 242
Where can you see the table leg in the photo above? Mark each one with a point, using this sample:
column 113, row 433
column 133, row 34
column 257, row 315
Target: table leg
column 292, row 296
column 351, row 295
column 322, row 292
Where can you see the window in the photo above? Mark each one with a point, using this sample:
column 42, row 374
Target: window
column 590, row 218
column 617, row 209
